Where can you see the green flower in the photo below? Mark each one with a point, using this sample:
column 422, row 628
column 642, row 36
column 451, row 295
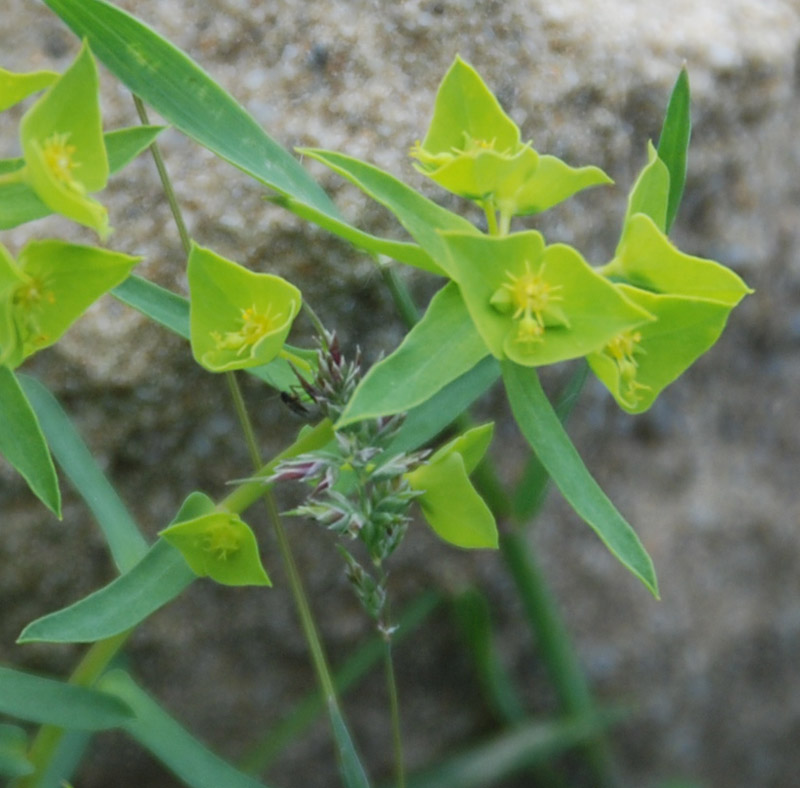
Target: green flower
column 221, row 546
column 47, row 289
column 63, row 147
column 474, row 149
column 537, row 304
column 238, row 318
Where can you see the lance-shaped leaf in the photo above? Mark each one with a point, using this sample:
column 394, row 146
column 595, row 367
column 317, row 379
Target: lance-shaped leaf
column 219, row 545
column 56, row 283
column 15, row 87
column 449, row 502
column 544, row 432
column 673, row 143
column 237, row 318
column 62, row 143
column 440, row 348
column 537, row 304
column 23, row 444
column 638, row 364
column 647, row 259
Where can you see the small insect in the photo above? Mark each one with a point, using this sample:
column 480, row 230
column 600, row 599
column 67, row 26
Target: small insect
column 292, row 401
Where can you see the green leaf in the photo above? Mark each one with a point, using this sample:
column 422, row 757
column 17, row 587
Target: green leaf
column 13, row 752
column 125, row 602
column 183, row 94
column 124, row 539
column 15, row 87
column 189, row 760
column 638, row 365
column 350, row 767
column 237, row 318
column 534, row 304
column 673, row 144
column 62, row 144
column 451, row 505
column 402, row 251
column 471, row 445
column 542, row 429
column 158, row 578
column 426, row 421
column 124, row 145
column 647, row 259
column 439, row 349
column 19, row 202
column 421, row 217
column 61, row 281
column 649, row 195
column 50, row 702
column 23, row 443
column 221, row 546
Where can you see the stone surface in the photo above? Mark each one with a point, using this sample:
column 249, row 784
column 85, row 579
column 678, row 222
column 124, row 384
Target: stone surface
column 708, row 476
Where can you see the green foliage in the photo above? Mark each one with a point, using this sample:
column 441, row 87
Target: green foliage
column 512, row 303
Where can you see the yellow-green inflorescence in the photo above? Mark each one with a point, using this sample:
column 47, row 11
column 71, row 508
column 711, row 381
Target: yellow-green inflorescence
column 255, row 326
column 622, row 350
column 534, row 302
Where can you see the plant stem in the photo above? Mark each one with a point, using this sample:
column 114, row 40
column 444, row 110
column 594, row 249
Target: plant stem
column 295, row 583
column 491, row 217
column 186, row 241
column 400, row 295
column 88, row 670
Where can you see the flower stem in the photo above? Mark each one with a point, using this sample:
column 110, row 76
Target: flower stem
column 394, row 708
column 491, row 217
column 186, row 241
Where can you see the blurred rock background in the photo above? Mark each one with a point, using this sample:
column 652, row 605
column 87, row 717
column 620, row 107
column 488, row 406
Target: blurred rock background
column 708, row 477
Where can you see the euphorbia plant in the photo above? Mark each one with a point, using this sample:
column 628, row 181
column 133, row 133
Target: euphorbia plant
column 511, row 303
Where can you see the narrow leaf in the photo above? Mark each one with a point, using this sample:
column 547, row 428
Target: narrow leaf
column 23, row 443
column 439, row 349
column 157, row 579
column 124, row 539
column 51, row 702
column 544, row 432
column 426, row 421
column 421, row 217
column 176, row 748
column 13, row 751
column 182, row 93
column 124, row 145
column 351, row 770
column 673, row 144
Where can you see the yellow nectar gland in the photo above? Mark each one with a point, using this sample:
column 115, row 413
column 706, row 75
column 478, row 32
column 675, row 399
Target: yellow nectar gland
column 255, row 326
column 530, row 295
column 57, row 153
column 27, row 301
column 222, row 540
column 623, row 349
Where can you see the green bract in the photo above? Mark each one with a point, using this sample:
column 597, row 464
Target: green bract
column 449, row 502
column 474, row 149
column 15, row 87
column 238, row 318
column 537, row 304
column 47, row 289
column 62, row 143
column 221, row 546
